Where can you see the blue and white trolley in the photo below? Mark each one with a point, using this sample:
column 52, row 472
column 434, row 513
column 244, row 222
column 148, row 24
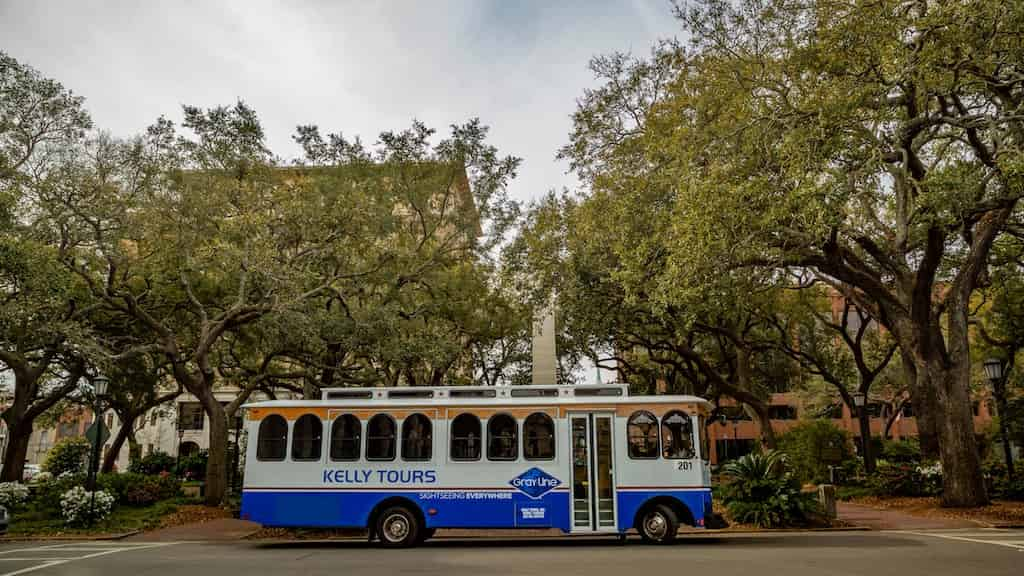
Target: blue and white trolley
column 402, row 462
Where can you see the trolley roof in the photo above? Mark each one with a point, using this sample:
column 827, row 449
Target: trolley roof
column 527, row 395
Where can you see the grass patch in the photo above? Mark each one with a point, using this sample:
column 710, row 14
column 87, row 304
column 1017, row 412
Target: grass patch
column 123, row 519
column 845, row 493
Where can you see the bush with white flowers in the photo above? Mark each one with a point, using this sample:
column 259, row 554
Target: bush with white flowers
column 77, row 506
column 13, row 494
column 41, row 478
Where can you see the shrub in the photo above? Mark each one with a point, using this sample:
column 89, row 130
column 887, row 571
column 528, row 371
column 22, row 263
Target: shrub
column 136, row 489
column 13, row 494
column 907, row 480
column 901, row 451
column 47, row 495
column 152, row 490
column 69, row 456
column 999, row 482
column 193, row 466
column 153, row 463
column 812, row 446
column 81, row 507
column 41, row 478
column 761, row 491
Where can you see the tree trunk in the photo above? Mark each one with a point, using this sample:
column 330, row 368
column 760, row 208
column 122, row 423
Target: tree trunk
column 764, row 422
column 134, row 449
column 925, row 410
column 962, row 481
column 16, row 452
column 115, row 447
column 867, row 451
column 217, row 465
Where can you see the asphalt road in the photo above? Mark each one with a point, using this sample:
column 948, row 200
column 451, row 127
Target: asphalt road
column 964, row 552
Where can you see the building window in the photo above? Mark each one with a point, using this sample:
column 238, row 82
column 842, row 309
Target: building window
column 346, row 435
column 110, row 420
column 152, row 418
column 642, row 434
column 380, row 438
column 149, row 449
column 190, row 416
column 782, row 412
column 273, row 438
column 677, row 436
column 502, row 441
column 539, row 437
column 417, row 438
column 307, row 437
column 466, row 437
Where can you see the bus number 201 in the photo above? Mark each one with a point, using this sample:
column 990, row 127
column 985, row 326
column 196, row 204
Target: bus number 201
column 684, row 465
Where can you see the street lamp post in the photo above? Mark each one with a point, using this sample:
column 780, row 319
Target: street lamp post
column 100, row 389
column 860, row 401
column 177, row 457
column 994, row 371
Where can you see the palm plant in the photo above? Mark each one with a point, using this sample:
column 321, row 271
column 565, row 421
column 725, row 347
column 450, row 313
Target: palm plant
column 761, row 491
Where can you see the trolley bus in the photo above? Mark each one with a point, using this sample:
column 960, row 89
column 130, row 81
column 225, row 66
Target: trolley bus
column 403, row 462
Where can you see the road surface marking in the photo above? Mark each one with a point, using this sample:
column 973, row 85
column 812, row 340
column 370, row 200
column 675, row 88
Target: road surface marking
column 101, row 549
column 1011, row 544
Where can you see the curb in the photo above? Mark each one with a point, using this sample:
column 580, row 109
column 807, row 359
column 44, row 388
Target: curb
column 70, row 538
column 705, row 534
column 781, row 530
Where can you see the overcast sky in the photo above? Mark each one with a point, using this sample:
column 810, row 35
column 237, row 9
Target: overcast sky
column 358, row 67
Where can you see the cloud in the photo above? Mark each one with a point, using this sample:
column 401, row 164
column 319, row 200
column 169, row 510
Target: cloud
column 355, row 67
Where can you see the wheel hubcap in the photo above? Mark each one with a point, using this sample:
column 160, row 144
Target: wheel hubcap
column 396, row 528
column 656, row 526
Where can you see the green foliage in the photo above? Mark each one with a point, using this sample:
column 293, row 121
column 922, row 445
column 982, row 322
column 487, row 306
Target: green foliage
column 46, row 495
column 153, row 463
column 904, row 451
column 999, row 481
column 812, row 446
column 136, row 489
column 906, row 480
column 761, row 491
column 193, row 466
column 69, row 456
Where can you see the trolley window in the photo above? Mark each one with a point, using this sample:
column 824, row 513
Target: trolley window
column 273, row 438
column 539, row 437
column 642, row 435
column 416, row 438
column 346, row 433
column 380, row 438
column 307, row 438
column 677, row 436
column 502, row 441
column 466, row 437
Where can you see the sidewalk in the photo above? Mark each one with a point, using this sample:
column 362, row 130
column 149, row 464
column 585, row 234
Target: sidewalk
column 219, row 529
column 881, row 519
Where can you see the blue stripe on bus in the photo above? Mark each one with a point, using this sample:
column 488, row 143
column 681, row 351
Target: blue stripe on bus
column 451, row 508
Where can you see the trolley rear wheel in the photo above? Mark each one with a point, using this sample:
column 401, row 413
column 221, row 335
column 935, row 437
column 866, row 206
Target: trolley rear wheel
column 658, row 525
column 398, row 527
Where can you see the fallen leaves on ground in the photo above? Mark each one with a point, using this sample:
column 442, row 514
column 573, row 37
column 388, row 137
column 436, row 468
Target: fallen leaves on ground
column 192, row 514
column 305, row 534
column 998, row 512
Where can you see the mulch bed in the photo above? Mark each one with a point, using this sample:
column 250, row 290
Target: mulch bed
column 192, row 514
column 998, row 512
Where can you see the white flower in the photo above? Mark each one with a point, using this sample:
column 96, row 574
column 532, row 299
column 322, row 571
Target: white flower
column 75, row 505
column 41, row 478
column 13, row 494
column 933, row 471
